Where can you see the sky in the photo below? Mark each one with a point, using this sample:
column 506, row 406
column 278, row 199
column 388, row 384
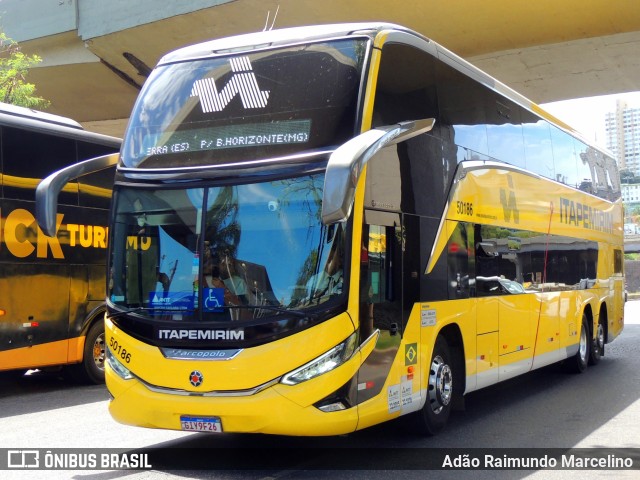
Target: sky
column 586, row 115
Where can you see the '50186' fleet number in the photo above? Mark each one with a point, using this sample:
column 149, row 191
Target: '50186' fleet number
column 464, row 208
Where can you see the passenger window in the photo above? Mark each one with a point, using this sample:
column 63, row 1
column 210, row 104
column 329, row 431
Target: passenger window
column 501, row 261
column 458, row 261
column 463, row 113
column 406, row 86
column 95, row 188
column 504, row 132
column 28, row 157
column 617, row 261
column 613, row 178
column 537, row 146
column 586, row 168
column 564, row 158
column 599, row 165
column 522, row 260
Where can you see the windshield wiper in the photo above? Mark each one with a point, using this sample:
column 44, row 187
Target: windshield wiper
column 121, row 313
column 273, row 308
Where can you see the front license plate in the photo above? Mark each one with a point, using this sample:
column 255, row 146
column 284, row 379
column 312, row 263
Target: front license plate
column 201, row 424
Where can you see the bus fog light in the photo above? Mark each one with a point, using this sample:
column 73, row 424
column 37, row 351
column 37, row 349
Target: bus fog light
column 333, row 407
column 324, row 363
column 122, row 371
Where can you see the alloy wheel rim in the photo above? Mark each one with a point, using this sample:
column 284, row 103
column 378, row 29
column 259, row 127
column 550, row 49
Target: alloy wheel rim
column 440, row 384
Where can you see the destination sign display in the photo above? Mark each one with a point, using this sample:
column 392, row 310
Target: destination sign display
column 228, row 136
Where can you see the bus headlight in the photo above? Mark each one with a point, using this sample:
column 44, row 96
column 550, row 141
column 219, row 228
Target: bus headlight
column 122, row 371
column 324, row 363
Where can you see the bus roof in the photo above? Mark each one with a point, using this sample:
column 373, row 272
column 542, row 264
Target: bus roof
column 27, row 118
column 270, row 38
column 16, row 111
column 287, row 36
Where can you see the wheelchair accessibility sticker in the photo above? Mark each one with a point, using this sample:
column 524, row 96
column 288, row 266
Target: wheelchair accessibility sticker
column 213, row 300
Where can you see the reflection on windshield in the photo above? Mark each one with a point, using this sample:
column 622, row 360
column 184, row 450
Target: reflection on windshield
column 225, row 253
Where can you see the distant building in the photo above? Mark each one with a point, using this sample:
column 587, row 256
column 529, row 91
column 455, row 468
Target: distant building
column 623, row 137
column 630, row 193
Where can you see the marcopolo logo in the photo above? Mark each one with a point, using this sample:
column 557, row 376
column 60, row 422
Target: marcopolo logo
column 243, row 82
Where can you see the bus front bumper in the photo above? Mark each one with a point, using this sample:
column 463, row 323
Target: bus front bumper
column 270, row 411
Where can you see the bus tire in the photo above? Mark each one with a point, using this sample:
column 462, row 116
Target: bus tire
column 578, row 363
column 435, row 413
column 597, row 346
column 91, row 369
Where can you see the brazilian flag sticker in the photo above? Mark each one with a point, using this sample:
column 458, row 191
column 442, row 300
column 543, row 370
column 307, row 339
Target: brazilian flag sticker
column 411, row 354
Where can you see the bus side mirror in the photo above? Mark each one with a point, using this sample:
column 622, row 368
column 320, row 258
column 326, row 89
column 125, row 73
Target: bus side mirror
column 49, row 188
column 347, row 162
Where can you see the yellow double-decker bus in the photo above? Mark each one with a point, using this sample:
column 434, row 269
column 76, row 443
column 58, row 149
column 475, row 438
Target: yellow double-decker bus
column 319, row 229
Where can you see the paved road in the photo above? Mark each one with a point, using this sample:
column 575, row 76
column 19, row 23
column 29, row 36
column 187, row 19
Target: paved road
column 544, row 409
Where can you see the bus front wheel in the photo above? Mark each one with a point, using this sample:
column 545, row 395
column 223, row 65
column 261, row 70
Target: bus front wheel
column 435, row 413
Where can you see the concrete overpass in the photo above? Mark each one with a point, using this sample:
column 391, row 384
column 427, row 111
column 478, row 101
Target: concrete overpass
column 96, row 54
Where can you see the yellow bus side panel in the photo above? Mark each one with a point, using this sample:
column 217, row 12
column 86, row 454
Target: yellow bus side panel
column 517, row 200
column 405, row 392
column 487, row 311
column 487, row 359
column 549, row 336
column 518, row 321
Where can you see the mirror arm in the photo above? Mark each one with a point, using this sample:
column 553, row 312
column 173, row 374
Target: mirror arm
column 49, row 188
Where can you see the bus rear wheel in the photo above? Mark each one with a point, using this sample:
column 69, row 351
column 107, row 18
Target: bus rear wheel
column 578, row 363
column 597, row 347
column 436, row 411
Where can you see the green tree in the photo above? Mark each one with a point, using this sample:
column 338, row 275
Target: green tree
column 14, row 66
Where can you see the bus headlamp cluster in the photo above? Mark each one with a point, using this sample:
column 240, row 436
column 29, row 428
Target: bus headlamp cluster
column 324, row 363
column 122, row 371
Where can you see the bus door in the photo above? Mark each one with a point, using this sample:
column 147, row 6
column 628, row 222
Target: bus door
column 506, row 318
column 380, row 298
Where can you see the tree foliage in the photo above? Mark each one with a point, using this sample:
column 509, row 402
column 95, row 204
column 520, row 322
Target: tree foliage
column 14, row 66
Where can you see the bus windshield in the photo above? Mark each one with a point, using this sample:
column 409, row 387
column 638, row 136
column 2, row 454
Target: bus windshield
column 224, row 253
column 244, row 107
